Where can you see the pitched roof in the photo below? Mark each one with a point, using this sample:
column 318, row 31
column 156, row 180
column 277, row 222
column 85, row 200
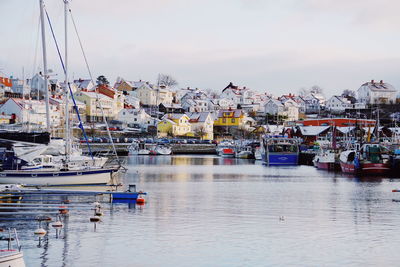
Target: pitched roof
column 381, row 86
column 173, row 116
column 198, row 116
column 94, row 95
column 312, row 130
column 236, row 112
column 276, row 102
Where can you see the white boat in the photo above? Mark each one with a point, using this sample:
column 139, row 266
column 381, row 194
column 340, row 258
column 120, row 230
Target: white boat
column 245, row 152
column 327, row 159
column 11, row 257
column 60, row 177
column 72, row 168
column 140, row 148
column 226, row 149
column 163, row 150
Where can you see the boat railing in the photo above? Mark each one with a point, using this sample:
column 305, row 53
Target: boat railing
column 9, row 238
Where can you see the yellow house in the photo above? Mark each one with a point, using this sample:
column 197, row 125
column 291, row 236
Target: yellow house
column 230, row 118
column 175, row 125
column 93, row 110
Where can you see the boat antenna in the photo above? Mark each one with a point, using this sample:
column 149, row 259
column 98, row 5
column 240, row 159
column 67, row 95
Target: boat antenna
column 46, row 89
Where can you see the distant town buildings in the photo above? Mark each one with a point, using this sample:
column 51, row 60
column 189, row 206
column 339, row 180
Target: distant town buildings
column 143, row 106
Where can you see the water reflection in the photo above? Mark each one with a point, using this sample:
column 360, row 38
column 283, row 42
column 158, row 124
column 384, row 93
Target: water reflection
column 211, row 211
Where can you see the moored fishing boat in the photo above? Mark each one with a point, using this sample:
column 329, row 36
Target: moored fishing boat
column 280, row 151
column 327, row 159
column 226, row 149
column 369, row 160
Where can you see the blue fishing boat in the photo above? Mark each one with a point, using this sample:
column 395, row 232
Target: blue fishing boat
column 280, row 151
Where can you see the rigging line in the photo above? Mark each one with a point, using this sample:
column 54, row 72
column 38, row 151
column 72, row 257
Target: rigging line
column 69, row 86
column 97, row 96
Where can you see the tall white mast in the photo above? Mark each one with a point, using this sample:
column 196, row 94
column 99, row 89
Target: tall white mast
column 67, row 122
column 46, row 87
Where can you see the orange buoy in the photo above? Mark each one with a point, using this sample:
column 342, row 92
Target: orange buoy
column 140, row 201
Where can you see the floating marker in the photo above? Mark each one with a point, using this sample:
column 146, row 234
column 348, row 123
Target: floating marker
column 40, row 232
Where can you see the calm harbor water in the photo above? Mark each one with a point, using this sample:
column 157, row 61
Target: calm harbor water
column 209, row 211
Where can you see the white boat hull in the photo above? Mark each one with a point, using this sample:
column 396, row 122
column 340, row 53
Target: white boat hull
column 163, row 151
column 54, row 178
column 11, row 259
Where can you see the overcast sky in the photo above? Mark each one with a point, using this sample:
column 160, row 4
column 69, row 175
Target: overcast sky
column 274, row 46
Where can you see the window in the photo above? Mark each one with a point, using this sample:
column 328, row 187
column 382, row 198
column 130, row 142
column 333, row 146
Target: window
column 233, row 120
column 223, row 120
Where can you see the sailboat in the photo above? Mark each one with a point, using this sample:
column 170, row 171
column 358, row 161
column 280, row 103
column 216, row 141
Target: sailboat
column 65, row 171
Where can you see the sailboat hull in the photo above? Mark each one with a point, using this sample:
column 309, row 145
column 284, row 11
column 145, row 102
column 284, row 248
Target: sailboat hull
column 11, row 258
column 83, row 177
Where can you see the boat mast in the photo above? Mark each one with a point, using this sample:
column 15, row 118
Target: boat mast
column 46, row 88
column 377, row 130
column 67, row 120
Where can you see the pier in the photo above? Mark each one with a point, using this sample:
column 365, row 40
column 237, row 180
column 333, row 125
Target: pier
column 122, row 148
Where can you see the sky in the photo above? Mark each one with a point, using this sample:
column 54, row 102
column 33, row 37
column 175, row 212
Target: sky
column 270, row 46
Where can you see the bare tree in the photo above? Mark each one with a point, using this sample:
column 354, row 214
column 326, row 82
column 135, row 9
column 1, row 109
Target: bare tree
column 315, row 89
column 348, row 92
column 303, row 91
column 201, row 132
column 167, row 80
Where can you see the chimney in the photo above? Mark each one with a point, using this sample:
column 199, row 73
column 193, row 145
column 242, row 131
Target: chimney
column 381, row 82
column 372, row 81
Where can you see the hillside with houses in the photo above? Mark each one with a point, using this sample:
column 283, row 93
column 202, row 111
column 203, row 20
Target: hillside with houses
column 160, row 110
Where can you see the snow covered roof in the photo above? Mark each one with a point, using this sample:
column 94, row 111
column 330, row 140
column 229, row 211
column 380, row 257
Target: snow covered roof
column 173, row 116
column 312, row 130
column 273, row 128
column 276, row 102
column 94, row 95
column 198, row 116
column 236, row 112
column 84, row 84
column 173, row 105
column 345, row 130
column 379, row 86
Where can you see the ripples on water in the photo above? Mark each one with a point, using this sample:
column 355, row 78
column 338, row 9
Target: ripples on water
column 209, row 211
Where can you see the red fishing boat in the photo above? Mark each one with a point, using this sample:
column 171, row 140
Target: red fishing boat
column 371, row 159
